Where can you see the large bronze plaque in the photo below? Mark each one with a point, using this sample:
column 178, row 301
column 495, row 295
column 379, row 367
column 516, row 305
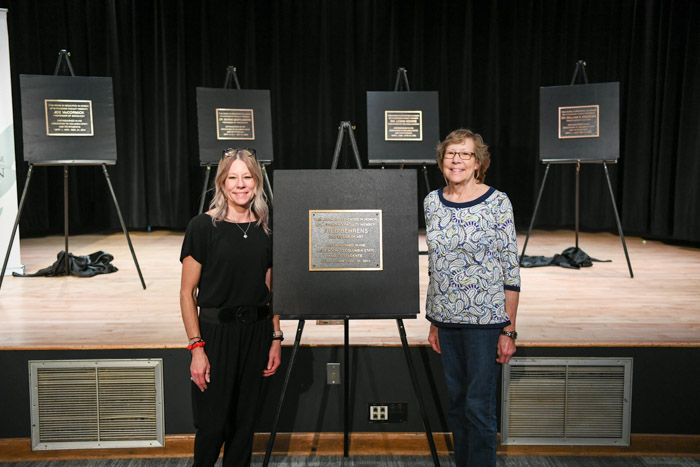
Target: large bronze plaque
column 581, row 121
column 235, row 124
column 67, row 117
column 345, row 240
column 403, row 125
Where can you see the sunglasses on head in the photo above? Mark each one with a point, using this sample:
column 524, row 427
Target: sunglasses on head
column 233, row 151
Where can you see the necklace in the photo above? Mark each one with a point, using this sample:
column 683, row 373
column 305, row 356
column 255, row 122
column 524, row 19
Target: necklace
column 245, row 232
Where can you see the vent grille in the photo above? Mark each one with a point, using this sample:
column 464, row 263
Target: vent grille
column 84, row 404
column 567, row 401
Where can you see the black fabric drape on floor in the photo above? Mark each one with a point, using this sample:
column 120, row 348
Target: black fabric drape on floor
column 318, row 58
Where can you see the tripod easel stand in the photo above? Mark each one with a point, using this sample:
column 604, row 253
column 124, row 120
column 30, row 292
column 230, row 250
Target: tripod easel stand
column 344, row 127
column 580, row 66
column 64, row 59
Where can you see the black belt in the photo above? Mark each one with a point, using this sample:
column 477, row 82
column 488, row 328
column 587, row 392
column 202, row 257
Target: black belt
column 235, row 314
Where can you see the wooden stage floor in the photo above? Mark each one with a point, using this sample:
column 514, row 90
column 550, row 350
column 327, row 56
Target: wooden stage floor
column 596, row 306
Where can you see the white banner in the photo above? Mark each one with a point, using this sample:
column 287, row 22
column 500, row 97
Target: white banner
column 8, row 173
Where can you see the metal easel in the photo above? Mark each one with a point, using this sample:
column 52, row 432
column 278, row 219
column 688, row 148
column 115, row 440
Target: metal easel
column 231, row 78
column 61, row 64
column 346, row 126
column 580, row 66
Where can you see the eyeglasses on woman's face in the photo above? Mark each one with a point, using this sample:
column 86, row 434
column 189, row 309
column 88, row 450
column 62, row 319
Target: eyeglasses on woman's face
column 464, row 155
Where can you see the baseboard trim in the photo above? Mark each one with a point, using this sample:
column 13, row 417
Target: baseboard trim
column 376, row 444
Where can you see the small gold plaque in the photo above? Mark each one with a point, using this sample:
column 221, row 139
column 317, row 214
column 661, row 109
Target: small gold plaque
column 345, row 240
column 68, row 117
column 403, row 125
column 582, row 121
column 235, row 124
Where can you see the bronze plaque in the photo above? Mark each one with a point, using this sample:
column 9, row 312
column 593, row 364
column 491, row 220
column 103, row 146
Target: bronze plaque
column 67, row 117
column 235, row 124
column 403, row 125
column 345, row 240
column 581, row 121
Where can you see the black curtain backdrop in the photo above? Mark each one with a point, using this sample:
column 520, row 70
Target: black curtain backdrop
column 487, row 59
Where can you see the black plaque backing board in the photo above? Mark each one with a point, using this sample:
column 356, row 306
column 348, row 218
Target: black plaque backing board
column 303, row 294
column 605, row 147
column 41, row 149
column 210, row 99
column 381, row 151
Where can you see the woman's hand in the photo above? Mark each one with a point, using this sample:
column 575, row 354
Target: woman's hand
column 200, row 369
column 274, row 358
column 506, row 349
column 434, row 338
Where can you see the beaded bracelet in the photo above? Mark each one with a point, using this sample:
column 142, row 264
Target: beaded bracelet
column 278, row 338
column 194, row 345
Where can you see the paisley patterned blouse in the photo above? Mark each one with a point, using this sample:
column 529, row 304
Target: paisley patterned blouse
column 473, row 259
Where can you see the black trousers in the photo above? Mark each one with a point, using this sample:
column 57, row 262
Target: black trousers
column 225, row 412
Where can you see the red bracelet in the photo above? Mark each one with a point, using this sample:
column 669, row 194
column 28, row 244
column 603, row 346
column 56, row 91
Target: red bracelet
column 195, row 345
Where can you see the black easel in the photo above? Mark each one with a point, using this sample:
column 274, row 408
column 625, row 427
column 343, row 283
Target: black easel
column 61, row 64
column 231, row 78
column 342, row 129
column 402, row 78
column 580, row 66
column 346, row 126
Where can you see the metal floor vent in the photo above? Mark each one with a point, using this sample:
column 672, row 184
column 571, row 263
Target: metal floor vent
column 84, row 404
column 560, row 401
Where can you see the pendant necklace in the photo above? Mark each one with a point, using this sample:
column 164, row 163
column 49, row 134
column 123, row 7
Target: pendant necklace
column 245, row 232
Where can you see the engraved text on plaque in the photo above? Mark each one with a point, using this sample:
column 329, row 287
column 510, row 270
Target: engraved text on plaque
column 579, row 122
column 235, row 124
column 345, row 240
column 68, row 117
column 403, row 125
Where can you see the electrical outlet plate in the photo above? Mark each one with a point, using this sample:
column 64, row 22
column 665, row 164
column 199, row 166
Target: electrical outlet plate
column 378, row 413
column 388, row 412
column 333, row 373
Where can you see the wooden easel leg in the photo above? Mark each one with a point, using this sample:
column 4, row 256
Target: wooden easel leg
column 266, row 183
column 617, row 219
column 65, row 219
column 205, row 185
column 273, row 433
column 534, row 214
column 416, row 389
column 14, row 228
column 121, row 221
column 346, row 390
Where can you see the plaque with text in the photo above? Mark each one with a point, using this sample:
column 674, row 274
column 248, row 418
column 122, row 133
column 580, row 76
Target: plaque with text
column 344, row 244
column 235, row 124
column 234, row 118
column 66, row 117
column 345, row 240
column 54, row 108
column 579, row 121
column 403, row 125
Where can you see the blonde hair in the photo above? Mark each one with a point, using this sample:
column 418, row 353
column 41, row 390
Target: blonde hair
column 481, row 150
column 258, row 204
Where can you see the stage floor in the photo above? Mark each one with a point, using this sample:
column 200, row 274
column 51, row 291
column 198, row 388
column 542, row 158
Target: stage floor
column 596, row 306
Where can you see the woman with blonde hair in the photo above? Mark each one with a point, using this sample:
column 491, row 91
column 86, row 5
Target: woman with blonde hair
column 234, row 340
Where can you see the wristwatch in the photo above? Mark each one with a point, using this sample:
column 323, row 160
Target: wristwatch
column 512, row 334
column 277, row 336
